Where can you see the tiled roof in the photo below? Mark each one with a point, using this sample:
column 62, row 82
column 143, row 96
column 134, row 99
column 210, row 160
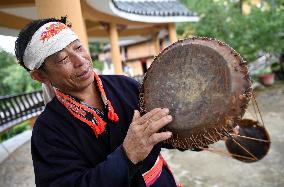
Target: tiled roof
column 153, row 7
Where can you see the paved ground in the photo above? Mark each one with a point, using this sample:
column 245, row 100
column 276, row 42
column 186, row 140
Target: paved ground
column 200, row 169
column 196, row 169
column 17, row 170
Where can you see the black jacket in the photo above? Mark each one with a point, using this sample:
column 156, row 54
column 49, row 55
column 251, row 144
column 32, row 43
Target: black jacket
column 66, row 152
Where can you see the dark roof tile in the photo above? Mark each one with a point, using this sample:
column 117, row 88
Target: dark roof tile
column 153, row 8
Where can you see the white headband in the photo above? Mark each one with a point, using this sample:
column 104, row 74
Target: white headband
column 47, row 40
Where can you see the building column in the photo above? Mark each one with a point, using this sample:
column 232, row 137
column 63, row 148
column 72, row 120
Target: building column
column 71, row 8
column 115, row 52
column 156, row 43
column 172, row 32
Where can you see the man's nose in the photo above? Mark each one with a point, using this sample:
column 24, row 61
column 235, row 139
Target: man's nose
column 78, row 60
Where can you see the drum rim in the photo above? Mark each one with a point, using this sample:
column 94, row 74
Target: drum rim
column 226, row 128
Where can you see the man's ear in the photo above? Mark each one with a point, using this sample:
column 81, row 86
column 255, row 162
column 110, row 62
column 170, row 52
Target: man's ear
column 39, row 76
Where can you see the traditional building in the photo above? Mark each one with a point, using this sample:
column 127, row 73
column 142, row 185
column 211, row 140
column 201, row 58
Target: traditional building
column 136, row 55
column 105, row 20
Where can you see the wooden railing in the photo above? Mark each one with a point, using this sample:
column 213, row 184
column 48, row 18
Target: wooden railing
column 17, row 108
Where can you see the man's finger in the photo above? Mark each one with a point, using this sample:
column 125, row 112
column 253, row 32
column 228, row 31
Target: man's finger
column 136, row 115
column 163, row 112
column 157, row 125
column 147, row 116
column 158, row 137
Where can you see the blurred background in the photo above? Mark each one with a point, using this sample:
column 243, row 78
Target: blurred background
column 123, row 37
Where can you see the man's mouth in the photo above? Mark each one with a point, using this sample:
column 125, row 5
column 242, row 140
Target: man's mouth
column 85, row 74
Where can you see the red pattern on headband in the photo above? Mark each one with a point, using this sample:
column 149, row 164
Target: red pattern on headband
column 52, row 30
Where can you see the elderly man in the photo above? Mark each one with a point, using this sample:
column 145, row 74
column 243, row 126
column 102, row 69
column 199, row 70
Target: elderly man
column 90, row 133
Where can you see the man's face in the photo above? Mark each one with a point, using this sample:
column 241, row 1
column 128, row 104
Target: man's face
column 70, row 69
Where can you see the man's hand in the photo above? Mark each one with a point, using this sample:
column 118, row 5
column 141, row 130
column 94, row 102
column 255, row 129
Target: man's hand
column 143, row 133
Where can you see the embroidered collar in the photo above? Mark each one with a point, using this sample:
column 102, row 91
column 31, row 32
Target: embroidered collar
column 86, row 113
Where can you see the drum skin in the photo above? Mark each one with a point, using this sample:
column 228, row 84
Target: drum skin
column 249, row 150
column 206, row 86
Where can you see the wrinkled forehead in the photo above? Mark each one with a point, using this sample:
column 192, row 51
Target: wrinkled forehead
column 67, row 48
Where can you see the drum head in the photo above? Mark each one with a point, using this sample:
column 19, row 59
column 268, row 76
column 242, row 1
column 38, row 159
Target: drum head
column 206, row 86
column 252, row 142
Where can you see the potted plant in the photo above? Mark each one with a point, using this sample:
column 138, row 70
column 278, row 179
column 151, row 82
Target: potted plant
column 266, row 76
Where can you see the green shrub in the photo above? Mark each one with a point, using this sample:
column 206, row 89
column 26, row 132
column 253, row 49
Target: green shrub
column 98, row 65
column 14, row 131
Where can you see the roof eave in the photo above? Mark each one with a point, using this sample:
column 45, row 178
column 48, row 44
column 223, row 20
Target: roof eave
column 152, row 19
column 108, row 7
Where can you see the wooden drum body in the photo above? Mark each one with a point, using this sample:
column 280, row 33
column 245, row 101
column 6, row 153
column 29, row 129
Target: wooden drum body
column 206, row 86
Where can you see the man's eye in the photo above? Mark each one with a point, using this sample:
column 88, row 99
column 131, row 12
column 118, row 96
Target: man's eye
column 63, row 61
column 79, row 47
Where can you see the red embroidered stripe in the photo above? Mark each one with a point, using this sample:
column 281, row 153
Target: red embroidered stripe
column 86, row 114
column 111, row 114
column 154, row 173
column 80, row 111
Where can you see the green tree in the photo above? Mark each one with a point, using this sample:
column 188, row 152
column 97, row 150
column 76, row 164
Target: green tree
column 260, row 31
column 95, row 48
column 14, row 78
column 6, row 60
